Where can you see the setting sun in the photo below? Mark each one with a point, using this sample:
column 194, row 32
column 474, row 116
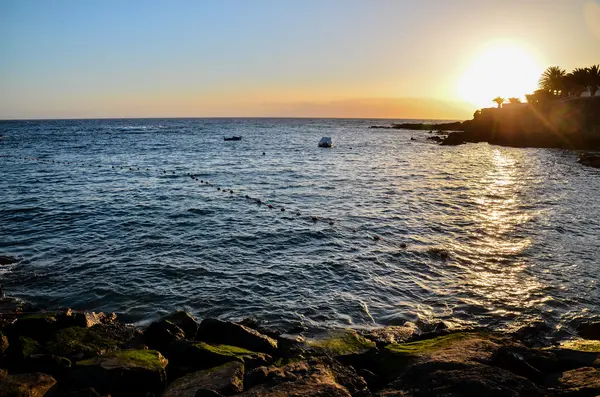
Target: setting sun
column 502, row 69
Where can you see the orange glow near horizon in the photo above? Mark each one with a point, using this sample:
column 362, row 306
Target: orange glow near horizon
column 502, row 69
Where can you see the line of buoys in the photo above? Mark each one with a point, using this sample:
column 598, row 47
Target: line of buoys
column 315, row 219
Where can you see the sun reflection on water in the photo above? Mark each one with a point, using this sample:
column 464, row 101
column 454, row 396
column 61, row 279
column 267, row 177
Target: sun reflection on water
column 495, row 275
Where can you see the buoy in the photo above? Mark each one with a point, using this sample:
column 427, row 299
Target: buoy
column 231, row 191
column 298, row 213
column 201, row 181
column 314, row 218
column 331, row 222
column 218, row 188
column 282, row 209
column 247, row 196
column 376, row 238
column 402, row 245
column 270, row 206
column 263, row 153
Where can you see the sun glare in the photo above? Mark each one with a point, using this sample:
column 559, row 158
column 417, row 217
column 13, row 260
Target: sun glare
column 501, row 69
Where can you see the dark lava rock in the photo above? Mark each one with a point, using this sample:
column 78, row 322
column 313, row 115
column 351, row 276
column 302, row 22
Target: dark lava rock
column 581, row 382
column 224, row 332
column 123, row 373
column 459, row 379
column 533, row 364
column 161, row 333
column 225, row 380
column 591, row 160
column 589, row 330
column 185, row 321
column 26, row 385
column 301, row 379
column 453, row 139
column 534, row 334
column 7, row 260
column 77, row 343
column 435, row 138
column 36, row 326
column 69, row 318
column 3, row 343
column 191, row 356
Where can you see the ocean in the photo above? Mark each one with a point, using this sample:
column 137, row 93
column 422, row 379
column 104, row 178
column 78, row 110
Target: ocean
column 146, row 216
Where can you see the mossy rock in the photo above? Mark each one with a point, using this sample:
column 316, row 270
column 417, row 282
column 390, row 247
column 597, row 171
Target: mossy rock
column 582, row 345
column 427, row 345
column 130, row 372
column 78, row 343
column 40, row 326
column 201, row 355
column 340, row 343
column 227, row 379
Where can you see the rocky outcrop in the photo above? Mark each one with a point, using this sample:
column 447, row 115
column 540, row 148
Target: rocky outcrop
column 217, row 331
column 90, row 360
column 185, row 321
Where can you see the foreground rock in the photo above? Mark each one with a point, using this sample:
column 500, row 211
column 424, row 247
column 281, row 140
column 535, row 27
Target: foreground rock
column 226, row 380
column 224, row 332
column 92, row 355
column 126, row 373
column 26, row 385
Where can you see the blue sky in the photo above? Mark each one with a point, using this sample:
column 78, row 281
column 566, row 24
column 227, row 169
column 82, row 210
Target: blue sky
column 262, row 58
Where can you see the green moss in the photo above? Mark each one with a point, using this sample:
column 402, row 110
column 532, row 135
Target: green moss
column 28, row 346
column 39, row 316
column 149, row 359
column 282, row 362
column 76, row 340
column 427, row 345
column 224, row 350
column 582, row 345
column 348, row 342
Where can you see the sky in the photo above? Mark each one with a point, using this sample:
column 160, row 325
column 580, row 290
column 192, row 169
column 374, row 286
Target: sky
column 422, row 59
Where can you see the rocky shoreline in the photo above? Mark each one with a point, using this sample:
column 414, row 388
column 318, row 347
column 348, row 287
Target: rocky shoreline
column 85, row 354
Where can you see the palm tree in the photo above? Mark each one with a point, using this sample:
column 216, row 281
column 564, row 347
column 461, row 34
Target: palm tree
column 514, row 100
column 553, row 80
column 499, row 101
column 577, row 81
column 593, row 79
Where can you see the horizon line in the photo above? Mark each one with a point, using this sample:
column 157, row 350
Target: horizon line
column 225, row 117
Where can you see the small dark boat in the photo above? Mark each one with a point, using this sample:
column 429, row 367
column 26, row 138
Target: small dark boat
column 233, row 138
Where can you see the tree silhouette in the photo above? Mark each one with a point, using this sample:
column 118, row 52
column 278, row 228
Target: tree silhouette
column 514, row 100
column 576, row 82
column 499, row 101
column 593, row 78
column 553, row 80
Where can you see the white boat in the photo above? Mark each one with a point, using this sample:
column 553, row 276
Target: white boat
column 326, row 142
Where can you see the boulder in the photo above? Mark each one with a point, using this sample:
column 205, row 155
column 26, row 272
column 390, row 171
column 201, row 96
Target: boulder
column 69, row 318
column 223, row 332
column 340, row 343
column 36, row 326
column 19, row 351
column 578, row 353
column 3, row 343
column 199, row 355
column 589, row 159
column 446, row 378
column 392, row 334
column 453, row 139
column 227, row 379
column 462, row 347
column 589, row 330
column 185, row 321
column 7, row 260
column 301, row 379
column 581, row 381
column 123, row 373
column 161, row 333
column 77, row 343
column 533, row 364
column 26, row 385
